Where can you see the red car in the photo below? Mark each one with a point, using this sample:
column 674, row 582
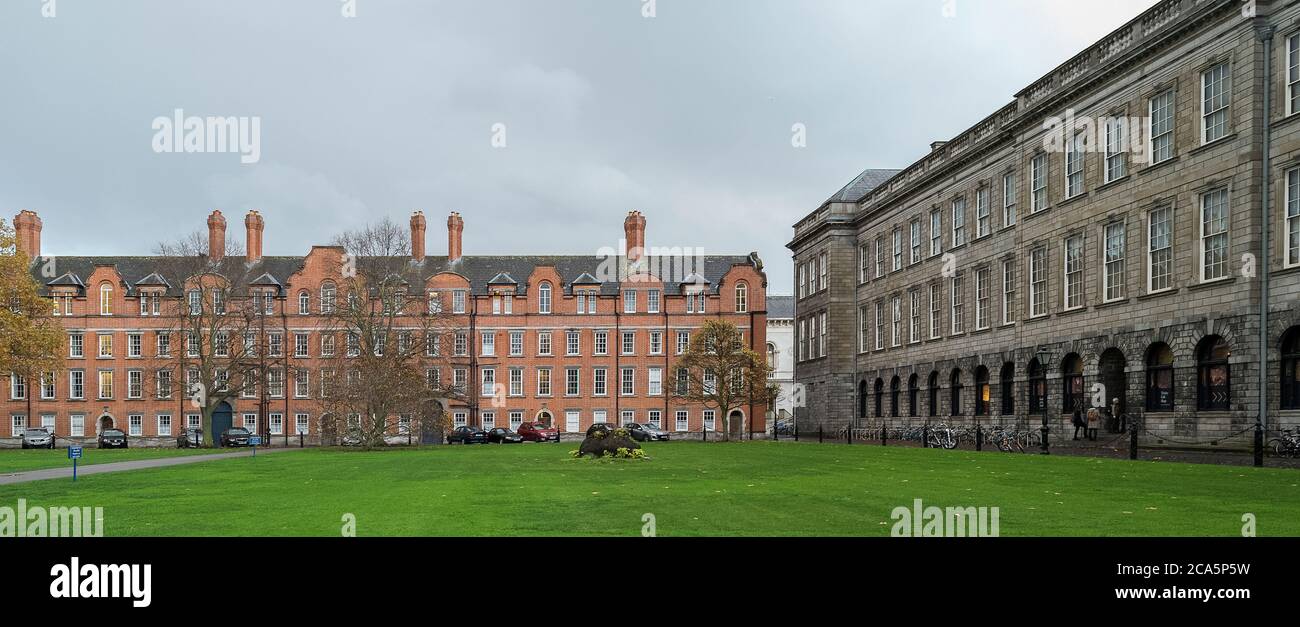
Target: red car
column 538, row 432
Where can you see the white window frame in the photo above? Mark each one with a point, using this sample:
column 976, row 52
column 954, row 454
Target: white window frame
column 1220, row 112
column 1114, row 275
column 1072, row 268
column 1205, row 237
column 1160, row 109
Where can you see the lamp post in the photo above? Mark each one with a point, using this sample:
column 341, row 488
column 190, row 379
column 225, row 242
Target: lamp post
column 1042, row 355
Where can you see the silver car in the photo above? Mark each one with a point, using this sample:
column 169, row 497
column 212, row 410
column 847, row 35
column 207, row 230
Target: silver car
column 37, row 438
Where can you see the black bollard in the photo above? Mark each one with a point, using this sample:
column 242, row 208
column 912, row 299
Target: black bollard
column 796, row 432
column 1133, row 441
column 301, row 442
column 1259, row 445
column 925, row 436
column 884, row 435
column 819, row 434
column 979, row 438
column 1046, row 434
column 848, row 435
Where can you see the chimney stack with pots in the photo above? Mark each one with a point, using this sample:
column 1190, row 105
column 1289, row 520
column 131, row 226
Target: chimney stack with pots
column 634, row 235
column 216, row 236
column 455, row 227
column 27, row 231
column 253, row 241
column 417, row 236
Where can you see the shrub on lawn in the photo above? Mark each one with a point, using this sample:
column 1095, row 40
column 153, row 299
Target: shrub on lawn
column 609, row 443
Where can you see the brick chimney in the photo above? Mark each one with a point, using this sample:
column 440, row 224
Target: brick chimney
column 634, row 235
column 27, row 232
column 417, row 236
column 253, row 240
column 455, row 227
column 216, row 236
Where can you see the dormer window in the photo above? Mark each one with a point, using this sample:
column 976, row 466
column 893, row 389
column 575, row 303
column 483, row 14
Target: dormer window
column 544, row 298
column 151, row 303
column 106, row 299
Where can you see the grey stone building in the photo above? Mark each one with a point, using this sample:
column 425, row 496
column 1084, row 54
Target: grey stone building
column 1098, row 240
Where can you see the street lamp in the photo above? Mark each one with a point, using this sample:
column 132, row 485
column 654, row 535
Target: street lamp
column 1042, row 355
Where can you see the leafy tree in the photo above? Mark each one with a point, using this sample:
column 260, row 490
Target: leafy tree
column 31, row 340
column 722, row 373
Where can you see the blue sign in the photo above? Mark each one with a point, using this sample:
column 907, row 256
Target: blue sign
column 255, row 440
column 74, row 452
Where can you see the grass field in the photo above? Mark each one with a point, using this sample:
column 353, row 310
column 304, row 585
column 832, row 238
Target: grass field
column 693, row 489
column 18, row 460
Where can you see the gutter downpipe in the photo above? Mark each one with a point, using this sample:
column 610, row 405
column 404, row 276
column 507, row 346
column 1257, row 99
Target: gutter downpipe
column 1265, row 34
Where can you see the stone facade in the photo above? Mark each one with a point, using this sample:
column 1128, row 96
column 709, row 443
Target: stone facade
column 1049, row 261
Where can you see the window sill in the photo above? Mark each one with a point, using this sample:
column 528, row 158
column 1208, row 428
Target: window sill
column 1205, row 285
column 1112, row 303
column 1154, row 166
column 1070, row 312
column 1074, row 199
column 1158, row 293
column 1033, row 214
column 1115, row 183
column 1208, row 146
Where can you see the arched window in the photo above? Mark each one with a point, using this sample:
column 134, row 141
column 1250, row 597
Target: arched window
column 1213, row 376
column 880, row 398
column 1037, row 388
column 771, row 355
column 1160, row 377
column 982, row 391
column 742, row 297
column 1291, row 369
column 862, row 399
column 1007, row 382
column 544, row 297
column 328, row 294
column 912, row 390
column 106, row 299
column 1072, row 384
column 894, row 389
column 955, row 393
column 304, row 303
column 933, row 409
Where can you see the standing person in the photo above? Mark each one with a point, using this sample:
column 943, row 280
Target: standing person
column 1117, row 416
column 1094, row 422
column 1077, row 419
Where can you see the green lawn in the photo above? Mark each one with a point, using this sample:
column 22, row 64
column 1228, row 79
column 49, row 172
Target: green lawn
column 18, row 460
column 693, row 489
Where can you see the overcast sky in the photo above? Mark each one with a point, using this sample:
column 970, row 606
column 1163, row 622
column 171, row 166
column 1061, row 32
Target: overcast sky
column 685, row 116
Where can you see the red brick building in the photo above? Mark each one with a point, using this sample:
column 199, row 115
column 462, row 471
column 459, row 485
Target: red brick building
column 553, row 338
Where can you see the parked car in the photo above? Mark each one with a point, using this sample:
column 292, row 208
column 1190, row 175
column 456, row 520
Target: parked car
column 785, row 427
column 467, row 435
column 643, row 432
column 502, row 435
column 235, row 436
column 37, row 438
column 111, row 438
column 538, row 432
column 190, row 438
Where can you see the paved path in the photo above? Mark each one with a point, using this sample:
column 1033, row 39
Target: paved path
column 138, row 464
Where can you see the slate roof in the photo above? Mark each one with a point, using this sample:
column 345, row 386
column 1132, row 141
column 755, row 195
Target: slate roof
column 779, row 307
column 862, row 185
column 481, row 271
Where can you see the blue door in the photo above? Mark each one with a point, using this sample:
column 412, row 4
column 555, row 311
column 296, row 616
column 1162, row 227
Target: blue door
column 223, row 418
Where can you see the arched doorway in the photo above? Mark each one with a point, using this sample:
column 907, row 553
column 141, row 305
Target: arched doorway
column 1114, row 381
column 544, row 417
column 1290, row 354
column 736, row 421
column 105, row 423
column 862, row 399
column 223, row 417
column 1213, row 375
column 982, row 395
column 1072, row 398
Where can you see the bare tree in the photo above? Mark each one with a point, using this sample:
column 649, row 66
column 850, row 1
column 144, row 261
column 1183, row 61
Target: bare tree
column 722, row 372
column 217, row 326
column 392, row 337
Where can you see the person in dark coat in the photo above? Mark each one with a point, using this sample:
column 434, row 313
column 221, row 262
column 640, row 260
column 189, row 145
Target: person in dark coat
column 1079, row 424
